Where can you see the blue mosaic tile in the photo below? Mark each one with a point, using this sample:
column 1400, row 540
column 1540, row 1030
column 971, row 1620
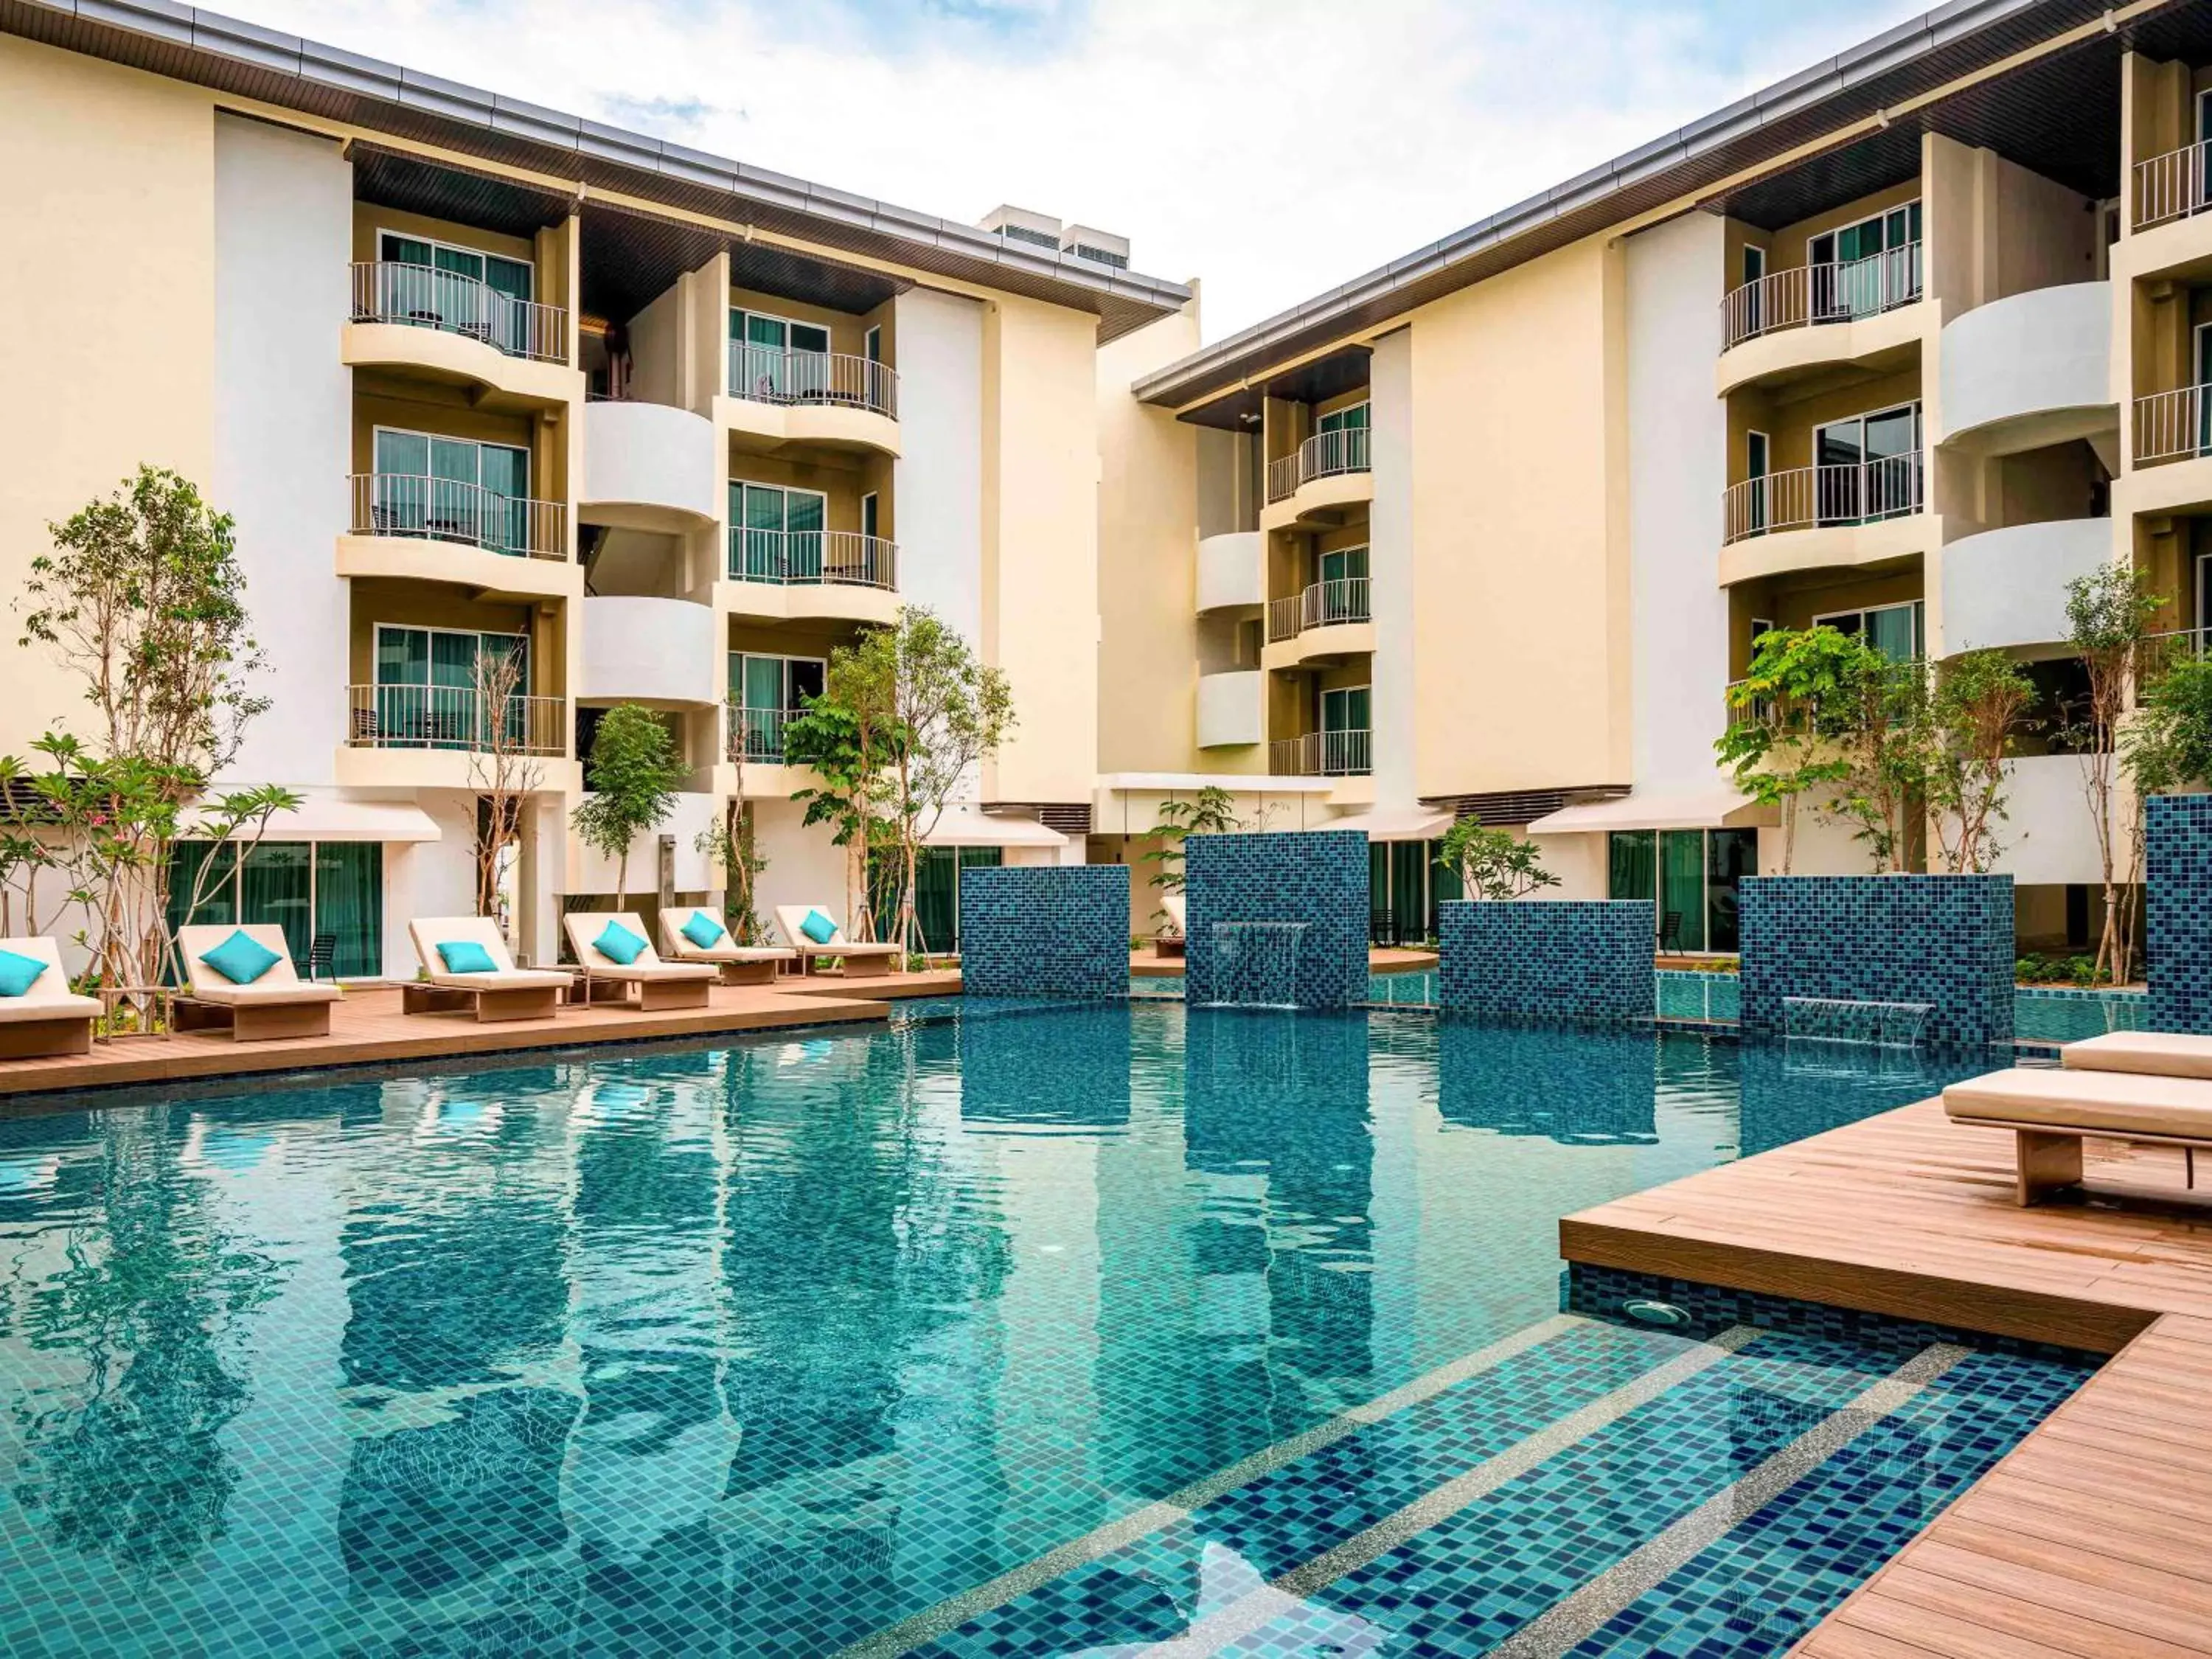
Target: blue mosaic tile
column 1569, row 959
column 2178, row 930
column 1044, row 931
column 1944, row 941
column 1318, row 879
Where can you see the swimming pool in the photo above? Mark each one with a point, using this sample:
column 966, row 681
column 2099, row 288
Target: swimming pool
column 1054, row 1330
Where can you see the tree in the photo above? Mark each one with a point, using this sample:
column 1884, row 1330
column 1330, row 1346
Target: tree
column 1878, row 722
column 1980, row 706
column 731, row 844
column 1212, row 812
column 635, row 775
column 2168, row 745
column 144, row 598
column 1775, row 744
column 2109, row 616
column 1491, row 863
column 502, row 768
column 842, row 749
column 920, row 698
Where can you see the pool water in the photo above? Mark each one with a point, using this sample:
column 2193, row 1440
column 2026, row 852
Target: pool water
column 1038, row 1330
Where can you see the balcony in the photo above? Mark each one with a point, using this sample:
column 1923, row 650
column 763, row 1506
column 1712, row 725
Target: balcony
column 442, row 737
column 2173, row 457
column 1345, row 754
column 1328, row 473
column 2030, row 370
column 1327, row 622
column 830, row 398
column 1860, row 513
column 797, row 575
column 1232, row 571
column 1232, row 709
column 1792, row 324
column 2167, row 225
column 451, row 327
column 442, row 530
column 647, row 466
column 2006, row 588
column 639, row 648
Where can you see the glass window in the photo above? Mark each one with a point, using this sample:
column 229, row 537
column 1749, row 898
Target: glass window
column 1345, row 710
column 1731, row 856
column 1354, row 419
column 1682, row 889
column 276, row 886
column 1631, row 864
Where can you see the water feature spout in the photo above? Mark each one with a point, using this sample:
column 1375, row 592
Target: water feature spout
column 1256, row 964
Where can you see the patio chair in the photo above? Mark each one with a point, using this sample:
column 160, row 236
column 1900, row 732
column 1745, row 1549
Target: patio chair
column 48, row 1018
column 739, row 964
column 660, row 985
column 1670, row 933
column 861, row 961
column 502, row 992
column 2051, row 1112
column 278, row 1003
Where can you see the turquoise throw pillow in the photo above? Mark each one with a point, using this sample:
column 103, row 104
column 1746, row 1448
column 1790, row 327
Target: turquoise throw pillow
column 18, row 972
column 240, row 959
column 818, row 927
column 466, row 956
column 617, row 943
column 703, row 931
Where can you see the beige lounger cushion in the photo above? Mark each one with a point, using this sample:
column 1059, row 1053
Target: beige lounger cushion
column 586, row 926
column 672, row 923
column 789, row 918
column 2115, row 1103
column 2161, row 1054
column 280, row 984
column 50, row 996
column 428, row 933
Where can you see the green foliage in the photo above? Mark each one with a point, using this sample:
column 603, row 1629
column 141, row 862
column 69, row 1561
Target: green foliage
column 2109, row 617
column 730, row 842
column 635, row 773
column 1212, row 812
column 2040, row 970
column 2168, row 745
column 1776, row 744
column 1977, row 711
column 1491, row 863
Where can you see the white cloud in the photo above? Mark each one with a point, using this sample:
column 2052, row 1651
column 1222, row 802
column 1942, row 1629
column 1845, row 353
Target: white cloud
column 1274, row 148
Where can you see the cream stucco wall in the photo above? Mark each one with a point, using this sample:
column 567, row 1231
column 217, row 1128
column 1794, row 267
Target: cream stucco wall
column 108, row 189
column 1148, row 515
column 1520, row 539
column 1040, row 620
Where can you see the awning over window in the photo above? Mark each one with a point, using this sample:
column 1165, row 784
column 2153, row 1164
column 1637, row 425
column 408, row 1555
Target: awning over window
column 965, row 825
column 1400, row 823
column 1717, row 807
column 327, row 818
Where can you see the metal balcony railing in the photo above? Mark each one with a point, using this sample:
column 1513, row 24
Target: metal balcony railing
column 1833, row 292
column 447, row 510
column 841, row 558
column 2173, row 426
column 1321, row 456
column 769, row 374
column 2171, row 185
column 755, row 734
column 1809, row 497
column 1323, row 604
column 453, row 717
column 1340, row 754
column 422, row 296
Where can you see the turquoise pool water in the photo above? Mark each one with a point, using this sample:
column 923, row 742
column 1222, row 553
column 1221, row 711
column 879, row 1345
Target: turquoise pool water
column 821, row 1346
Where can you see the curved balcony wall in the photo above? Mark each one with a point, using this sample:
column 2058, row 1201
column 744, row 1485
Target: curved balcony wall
column 647, row 466
column 2031, row 369
column 2008, row 588
column 1232, row 571
column 651, row 651
column 1232, row 709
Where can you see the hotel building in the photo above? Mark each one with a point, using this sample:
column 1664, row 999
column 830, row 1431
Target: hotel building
column 1902, row 343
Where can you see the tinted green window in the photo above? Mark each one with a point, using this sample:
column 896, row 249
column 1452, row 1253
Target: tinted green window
column 275, row 887
column 1683, row 886
column 1409, row 889
column 1731, row 856
column 1632, row 864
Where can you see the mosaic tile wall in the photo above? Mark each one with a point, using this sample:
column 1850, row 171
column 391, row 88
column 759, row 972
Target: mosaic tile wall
column 1318, row 876
column 1946, row 940
column 1044, row 931
column 2178, row 935
column 1571, row 959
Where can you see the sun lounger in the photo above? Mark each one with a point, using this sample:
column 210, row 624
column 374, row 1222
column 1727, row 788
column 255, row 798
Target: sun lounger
column 506, row 993
column 861, row 961
column 739, row 964
column 2050, row 1113
column 660, row 984
column 279, row 1004
column 49, row 1018
column 2158, row 1054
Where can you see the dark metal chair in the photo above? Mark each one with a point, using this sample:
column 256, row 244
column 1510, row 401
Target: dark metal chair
column 322, row 951
column 1670, row 932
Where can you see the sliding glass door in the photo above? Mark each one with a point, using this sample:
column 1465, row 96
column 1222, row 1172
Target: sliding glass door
column 460, row 289
column 426, row 686
column 779, row 534
column 451, row 487
column 327, row 897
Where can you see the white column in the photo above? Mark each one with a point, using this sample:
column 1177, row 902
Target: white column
column 1390, row 566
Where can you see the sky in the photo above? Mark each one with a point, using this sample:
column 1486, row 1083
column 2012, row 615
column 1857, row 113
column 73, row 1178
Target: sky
column 1272, row 148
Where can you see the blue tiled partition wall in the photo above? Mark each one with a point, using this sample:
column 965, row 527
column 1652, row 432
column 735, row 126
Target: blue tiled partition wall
column 1045, row 931
column 1318, row 876
column 1945, row 940
column 1568, row 959
column 2177, row 932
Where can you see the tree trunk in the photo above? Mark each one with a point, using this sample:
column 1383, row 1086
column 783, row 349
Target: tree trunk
column 621, row 877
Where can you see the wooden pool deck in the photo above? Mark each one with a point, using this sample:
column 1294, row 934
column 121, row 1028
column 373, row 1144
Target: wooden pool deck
column 368, row 1029
column 2094, row 1537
